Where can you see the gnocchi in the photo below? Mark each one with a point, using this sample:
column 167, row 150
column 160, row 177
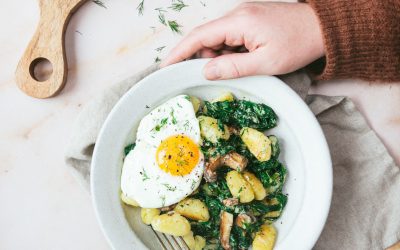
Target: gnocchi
column 265, row 238
column 200, row 242
column 193, row 209
column 129, row 201
column 211, row 130
column 194, row 242
column 189, row 240
column 224, row 97
column 148, row 214
column 171, row 223
column 255, row 183
column 196, row 103
column 239, row 187
column 257, row 143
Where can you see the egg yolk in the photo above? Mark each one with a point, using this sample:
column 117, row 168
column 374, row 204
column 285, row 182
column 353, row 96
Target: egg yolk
column 177, row 155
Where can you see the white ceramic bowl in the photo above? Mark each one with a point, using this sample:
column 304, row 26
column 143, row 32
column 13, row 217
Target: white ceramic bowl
column 304, row 152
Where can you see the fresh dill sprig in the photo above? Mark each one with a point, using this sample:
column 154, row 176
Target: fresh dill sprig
column 159, row 49
column 175, row 27
column 161, row 16
column 157, row 59
column 178, row 6
column 140, row 8
column 99, row 3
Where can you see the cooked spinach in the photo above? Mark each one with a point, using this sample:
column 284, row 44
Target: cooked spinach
column 276, row 150
column 128, row 148
column 242, row 113
column 223, row 147
column 271, row 173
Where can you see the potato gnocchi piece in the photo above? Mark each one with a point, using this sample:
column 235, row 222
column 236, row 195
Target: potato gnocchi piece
column 259, row 191
column 211, row 131
column 239, row 187
column 193, row 209
column 129, row 201
column 171, row 223
column 148, row 214
column 257, row 143
column 194, row 242
column 224, row 97
column 195, row 102
column 200, row 242
column 265, row 238
column 189, row 240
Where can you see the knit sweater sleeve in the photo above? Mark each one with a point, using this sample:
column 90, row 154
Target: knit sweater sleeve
column 361, row 39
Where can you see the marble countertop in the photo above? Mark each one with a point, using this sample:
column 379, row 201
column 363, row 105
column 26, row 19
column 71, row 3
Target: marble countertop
column 42, row 205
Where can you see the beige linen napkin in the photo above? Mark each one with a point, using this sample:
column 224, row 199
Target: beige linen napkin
column 365, row 211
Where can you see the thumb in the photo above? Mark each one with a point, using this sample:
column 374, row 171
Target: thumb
column 234, row 65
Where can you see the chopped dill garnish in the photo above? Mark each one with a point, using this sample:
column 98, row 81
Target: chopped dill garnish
column 163, row 200
column 178, row 6
column 140, row 7
column 175, row 27
column 159, row 49
column 174, row 121
column 163, row 122
column 169, row 187
column 145, row 176
column 99, row 3
column 157, row 59
column 186, row 125
column 193, row 184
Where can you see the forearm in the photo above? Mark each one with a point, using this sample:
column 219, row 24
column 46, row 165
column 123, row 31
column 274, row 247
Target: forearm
column 361, row 39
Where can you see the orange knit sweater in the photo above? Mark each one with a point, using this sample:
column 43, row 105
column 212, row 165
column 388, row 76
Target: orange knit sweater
column 361, row 37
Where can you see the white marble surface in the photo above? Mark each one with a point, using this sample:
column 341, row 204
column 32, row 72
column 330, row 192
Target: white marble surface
column 41, row 205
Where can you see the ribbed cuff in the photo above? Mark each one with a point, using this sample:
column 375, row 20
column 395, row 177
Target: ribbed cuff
column 361, row 39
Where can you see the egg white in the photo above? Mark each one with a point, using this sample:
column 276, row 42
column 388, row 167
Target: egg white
column 142, row 180
column 180, row 118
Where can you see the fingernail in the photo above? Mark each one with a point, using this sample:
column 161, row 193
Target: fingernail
column 212, row 72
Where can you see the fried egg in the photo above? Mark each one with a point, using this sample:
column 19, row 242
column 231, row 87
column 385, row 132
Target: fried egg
column 166, row 164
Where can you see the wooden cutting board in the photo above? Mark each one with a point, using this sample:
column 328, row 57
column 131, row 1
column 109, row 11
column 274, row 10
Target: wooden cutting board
column 47, row 44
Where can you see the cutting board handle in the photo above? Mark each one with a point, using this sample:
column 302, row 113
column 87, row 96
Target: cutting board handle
column 47, row 44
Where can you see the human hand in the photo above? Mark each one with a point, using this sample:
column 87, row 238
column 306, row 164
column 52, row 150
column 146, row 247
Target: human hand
column 254, row 38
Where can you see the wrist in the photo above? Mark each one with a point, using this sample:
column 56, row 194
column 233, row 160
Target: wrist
column 315, row 32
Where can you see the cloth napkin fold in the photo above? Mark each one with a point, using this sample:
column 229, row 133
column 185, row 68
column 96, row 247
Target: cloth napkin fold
column 365, row 210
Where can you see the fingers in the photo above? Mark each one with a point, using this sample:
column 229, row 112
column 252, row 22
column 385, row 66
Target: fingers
column 207, row 53
column 236, row 65
column 210, row 35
